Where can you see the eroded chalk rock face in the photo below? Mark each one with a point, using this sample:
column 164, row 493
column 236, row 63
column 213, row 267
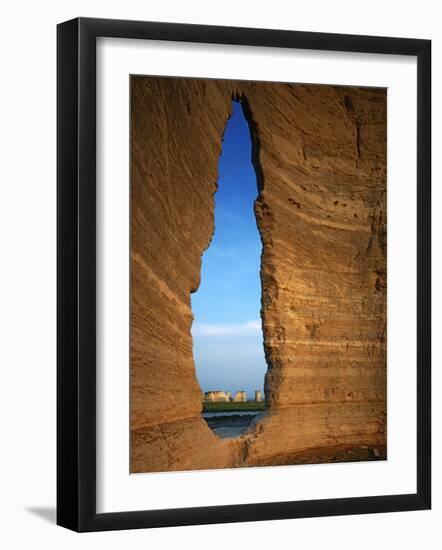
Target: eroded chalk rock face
column 320, row 158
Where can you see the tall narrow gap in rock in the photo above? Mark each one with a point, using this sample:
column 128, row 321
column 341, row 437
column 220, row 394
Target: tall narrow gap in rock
column 227, row 332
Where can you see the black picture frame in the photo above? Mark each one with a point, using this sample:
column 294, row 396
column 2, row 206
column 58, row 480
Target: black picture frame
column 76, row 274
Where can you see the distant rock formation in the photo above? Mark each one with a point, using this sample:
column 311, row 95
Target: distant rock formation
column 258, row 396
column 240, row 397
column 320, row 157
column 216, row 396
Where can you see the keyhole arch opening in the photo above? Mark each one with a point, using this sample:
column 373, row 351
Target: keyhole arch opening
column 228, row 343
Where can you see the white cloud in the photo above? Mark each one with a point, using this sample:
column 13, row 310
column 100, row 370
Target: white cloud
column 205, row 329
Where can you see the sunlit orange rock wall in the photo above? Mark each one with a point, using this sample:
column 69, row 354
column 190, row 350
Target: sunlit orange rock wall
column 320, row 158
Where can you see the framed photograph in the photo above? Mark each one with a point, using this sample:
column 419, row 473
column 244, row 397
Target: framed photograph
column 243, row 274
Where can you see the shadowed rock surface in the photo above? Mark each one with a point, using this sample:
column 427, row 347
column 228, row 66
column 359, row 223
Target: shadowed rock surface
column 320, row 159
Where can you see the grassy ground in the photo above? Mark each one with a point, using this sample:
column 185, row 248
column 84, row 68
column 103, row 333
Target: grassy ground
column 233, row 406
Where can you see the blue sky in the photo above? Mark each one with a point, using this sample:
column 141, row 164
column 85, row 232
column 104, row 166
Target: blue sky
column 227, row 334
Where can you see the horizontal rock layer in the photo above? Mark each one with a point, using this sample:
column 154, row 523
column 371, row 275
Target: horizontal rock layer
column 320, row 157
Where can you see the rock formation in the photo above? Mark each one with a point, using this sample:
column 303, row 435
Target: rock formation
column 258, row 396
column 240, row 397
column 320, row 157
column 216, row 396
